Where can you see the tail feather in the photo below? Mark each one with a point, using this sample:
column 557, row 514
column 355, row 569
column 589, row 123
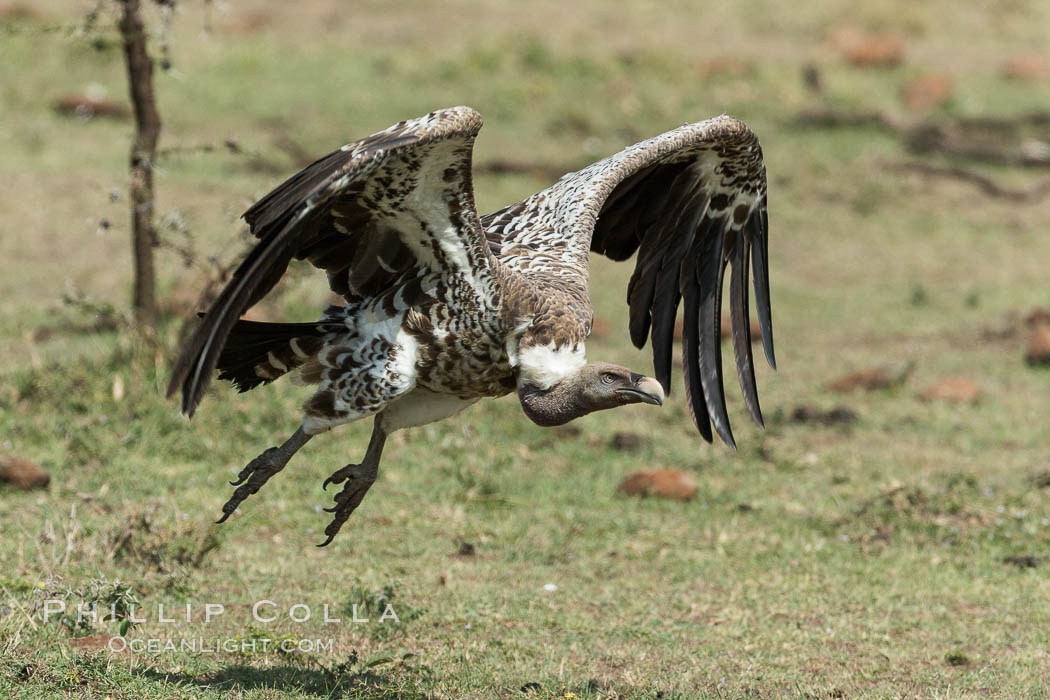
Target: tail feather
column 257, row 353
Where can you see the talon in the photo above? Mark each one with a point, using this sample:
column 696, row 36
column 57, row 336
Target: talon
column 244, row 474
column 333, row 529
column 359, row 478
column 258, row 471
column 339, row 476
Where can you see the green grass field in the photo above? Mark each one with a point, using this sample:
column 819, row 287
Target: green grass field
column 821, row 561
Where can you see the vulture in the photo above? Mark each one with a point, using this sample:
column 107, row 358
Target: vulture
column 444, row 307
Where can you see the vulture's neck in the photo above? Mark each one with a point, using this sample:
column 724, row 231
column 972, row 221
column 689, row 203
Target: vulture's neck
column 555, row 406
column 548, row 382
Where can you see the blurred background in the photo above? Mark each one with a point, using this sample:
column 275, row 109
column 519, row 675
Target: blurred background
column 886, row 534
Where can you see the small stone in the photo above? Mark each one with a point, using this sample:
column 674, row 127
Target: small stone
column 626, row 442
column 927, row 92
column 1039, row 345
column 18, row 12
column 869, row 50
column 662, row 483
column 1037, row 317
column 839, row 415
column 732, row 66
column 86, row 107
column 567, row 431
column 957, row 389
column 23, row 474
column 872, row 379
column 600, row 328
column 727, row 328
column 1030, row 66
column 1023, row 561
column 1040, row 479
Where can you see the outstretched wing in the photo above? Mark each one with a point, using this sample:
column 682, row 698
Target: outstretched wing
column 390, row 219
column 689, row 202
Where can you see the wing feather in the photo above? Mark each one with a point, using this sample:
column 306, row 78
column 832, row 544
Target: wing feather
column 688, row 202
column 758, row 227
column 738, row 305
column 377, row 216
column 710, row 267
column 694, row 390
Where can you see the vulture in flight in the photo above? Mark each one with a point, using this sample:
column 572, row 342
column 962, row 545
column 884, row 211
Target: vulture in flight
column 443, row 307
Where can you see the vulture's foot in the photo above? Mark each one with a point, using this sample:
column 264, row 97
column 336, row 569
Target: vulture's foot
column 258, row 471
column 359, row 478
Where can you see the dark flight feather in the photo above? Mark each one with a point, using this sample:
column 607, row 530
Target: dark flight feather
column 688, row 203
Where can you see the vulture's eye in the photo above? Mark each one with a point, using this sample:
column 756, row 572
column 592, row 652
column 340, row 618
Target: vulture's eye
column 608, row 377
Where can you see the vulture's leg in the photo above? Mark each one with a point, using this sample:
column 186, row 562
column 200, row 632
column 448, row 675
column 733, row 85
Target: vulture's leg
column 260, row 469
column 359, row 478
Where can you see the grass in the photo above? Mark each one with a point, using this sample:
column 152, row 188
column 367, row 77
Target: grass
column 860, row 560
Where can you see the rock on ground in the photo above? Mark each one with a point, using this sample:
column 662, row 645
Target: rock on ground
column 22, row 474
column 662, row 483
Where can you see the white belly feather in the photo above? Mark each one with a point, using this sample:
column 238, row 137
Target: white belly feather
column 420, row 407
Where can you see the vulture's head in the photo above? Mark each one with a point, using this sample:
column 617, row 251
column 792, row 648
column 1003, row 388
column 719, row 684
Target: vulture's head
column 594, row 387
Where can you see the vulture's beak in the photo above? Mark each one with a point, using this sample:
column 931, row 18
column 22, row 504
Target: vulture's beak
column 644, row 389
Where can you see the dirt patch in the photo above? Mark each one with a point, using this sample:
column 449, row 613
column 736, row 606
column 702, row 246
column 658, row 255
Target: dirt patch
column 917, row 510
column 95, row 641
column 162, row 540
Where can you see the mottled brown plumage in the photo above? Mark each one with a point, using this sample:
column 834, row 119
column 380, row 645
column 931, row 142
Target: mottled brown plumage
column 444, row 308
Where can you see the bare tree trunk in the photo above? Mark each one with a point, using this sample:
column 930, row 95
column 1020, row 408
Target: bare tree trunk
column 143, row 153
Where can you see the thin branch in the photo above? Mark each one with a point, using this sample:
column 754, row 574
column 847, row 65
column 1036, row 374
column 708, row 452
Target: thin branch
column 830, row 117
column 991, row 188
column 999, row 140
column 143, row 156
